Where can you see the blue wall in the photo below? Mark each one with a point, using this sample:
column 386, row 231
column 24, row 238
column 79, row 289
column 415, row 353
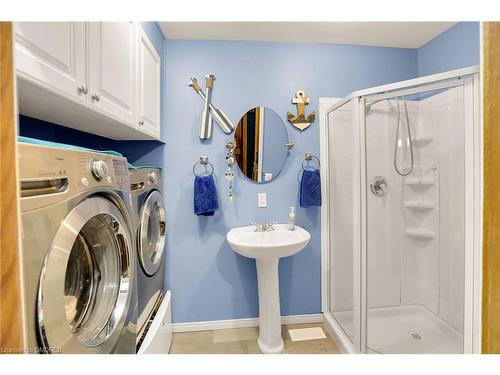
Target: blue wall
column 208, row 280
column 458, row 47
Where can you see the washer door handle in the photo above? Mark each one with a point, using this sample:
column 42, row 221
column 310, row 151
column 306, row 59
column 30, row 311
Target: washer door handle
column 379, row 186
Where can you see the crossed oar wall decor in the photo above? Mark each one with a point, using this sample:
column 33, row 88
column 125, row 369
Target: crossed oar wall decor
column 210, row 112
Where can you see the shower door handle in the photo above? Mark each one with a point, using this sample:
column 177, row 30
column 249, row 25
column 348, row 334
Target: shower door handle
column 379, row 186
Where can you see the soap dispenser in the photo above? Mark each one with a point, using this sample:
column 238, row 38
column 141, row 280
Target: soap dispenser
column 291, row 219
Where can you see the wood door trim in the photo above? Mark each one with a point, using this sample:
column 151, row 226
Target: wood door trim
column 491, row 218
column 11, row 335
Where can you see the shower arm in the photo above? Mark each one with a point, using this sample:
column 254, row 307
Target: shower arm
column 369, row 106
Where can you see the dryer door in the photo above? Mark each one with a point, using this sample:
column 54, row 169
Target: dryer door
column 85, row 286
column 152, row 233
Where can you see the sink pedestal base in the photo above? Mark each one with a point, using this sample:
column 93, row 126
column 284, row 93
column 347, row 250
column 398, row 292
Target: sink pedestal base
column 270, row 341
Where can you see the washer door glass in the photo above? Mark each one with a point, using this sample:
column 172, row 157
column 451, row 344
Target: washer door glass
column 84, row 289
column 92, row 279
column 152, row 233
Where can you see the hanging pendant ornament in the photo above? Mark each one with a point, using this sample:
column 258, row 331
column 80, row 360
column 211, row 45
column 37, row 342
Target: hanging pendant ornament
column 229, row 178
column 229, row 174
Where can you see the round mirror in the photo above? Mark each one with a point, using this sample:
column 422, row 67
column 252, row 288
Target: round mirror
column 261, row 144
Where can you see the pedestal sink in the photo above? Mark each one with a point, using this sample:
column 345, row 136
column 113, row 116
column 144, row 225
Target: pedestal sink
column 266, row 247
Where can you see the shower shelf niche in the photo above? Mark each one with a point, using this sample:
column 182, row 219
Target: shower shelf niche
column 415, row 181
column 422, row 170
column 420, row 233
column 420, row 205
column 422, row 140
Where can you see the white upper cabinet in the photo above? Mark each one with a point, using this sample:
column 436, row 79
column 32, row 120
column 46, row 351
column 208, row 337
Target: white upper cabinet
column 112, row 69
column 99, row 77
column 149, row 68
column 53, row 54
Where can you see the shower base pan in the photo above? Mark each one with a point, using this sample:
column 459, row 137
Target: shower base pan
column 409, row 329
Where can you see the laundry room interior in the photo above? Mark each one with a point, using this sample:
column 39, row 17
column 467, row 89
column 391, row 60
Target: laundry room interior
column 248, row 188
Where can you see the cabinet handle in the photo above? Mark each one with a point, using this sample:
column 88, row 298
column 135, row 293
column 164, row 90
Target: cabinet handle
column 96, row 97
column 82, row 90
column 141, row 123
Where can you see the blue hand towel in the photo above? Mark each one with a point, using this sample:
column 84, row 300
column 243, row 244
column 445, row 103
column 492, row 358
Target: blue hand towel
column 310, row 188
column 205, row 196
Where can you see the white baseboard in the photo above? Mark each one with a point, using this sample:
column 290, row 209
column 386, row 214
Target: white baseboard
column 242, row 323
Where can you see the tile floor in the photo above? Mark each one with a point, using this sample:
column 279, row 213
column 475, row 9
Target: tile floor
column 244, row 341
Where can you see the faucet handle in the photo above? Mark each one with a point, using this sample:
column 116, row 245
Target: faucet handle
column 259, row 227
column 269, row 225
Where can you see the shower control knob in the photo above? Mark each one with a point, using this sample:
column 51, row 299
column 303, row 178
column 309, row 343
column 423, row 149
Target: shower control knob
column 379, row 186
column 99, row 169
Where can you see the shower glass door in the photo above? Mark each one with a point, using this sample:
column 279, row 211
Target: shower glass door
column 414, row 240
column 343, row 302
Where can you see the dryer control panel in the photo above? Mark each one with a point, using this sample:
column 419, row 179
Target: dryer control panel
column 146, row 178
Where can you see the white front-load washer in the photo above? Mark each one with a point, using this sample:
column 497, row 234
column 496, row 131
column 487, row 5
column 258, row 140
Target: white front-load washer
column 78, row 256
column 147, row 200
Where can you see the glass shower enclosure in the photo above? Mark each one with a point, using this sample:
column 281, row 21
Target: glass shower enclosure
column 401, row 240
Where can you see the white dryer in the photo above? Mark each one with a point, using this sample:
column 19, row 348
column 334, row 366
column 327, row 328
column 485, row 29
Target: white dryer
column 147, row 200
column 78, row 256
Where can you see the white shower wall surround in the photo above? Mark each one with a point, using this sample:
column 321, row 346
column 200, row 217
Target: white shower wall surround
column 403, row 267
column 415, row 268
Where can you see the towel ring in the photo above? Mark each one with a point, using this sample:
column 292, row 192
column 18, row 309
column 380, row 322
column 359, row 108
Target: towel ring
column 309, row 157
column 203, row 161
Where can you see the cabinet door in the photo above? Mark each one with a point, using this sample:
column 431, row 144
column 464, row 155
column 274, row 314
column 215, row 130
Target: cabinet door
column 149, row 67
column 112, row 78
column 53, row 55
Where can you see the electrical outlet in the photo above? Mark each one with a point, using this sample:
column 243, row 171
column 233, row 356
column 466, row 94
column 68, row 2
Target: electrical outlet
column 262, row 200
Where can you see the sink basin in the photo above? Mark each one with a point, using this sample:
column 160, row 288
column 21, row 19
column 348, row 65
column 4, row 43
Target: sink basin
column 277, row 243
column 266, row 248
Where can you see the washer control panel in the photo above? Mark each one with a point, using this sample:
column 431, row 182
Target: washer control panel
column 99, row 169
column 152, row 178
column 49, row 175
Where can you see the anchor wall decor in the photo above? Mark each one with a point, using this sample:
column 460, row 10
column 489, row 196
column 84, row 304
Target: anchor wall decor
column 300, row 121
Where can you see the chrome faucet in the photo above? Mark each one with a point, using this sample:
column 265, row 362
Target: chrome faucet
column 264, row 227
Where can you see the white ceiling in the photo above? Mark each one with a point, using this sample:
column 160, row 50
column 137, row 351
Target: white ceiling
column 385, row 34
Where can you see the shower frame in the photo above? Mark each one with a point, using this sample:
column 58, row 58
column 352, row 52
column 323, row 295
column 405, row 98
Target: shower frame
column 468, row 78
